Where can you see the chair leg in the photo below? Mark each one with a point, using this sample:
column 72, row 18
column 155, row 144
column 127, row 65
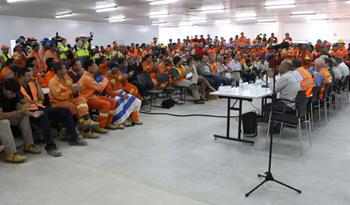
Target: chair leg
column 325, row 112
column 310, row 144
column 299, row 136
column 281, row 130
column 312, row 117
column 319, row 113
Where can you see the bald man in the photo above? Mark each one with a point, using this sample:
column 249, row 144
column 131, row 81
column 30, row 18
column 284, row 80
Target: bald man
column 286, row 85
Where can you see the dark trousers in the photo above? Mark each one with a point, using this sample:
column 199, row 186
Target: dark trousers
column 58, row 115
column 214, row 81
column 276, row 107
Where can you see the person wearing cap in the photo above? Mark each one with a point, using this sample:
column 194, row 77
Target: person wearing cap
column 5, row 52
column 41, row 66
column 63, row 49
column 51, row 51
column 82, row 46
column 340, row 50
column 287, row 38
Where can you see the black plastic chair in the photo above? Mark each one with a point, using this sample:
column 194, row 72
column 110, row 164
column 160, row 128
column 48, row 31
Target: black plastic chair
column 295, row 119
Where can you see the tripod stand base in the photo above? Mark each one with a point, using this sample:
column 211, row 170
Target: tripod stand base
column 268, row 177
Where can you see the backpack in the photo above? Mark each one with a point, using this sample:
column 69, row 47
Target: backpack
column 169, row 103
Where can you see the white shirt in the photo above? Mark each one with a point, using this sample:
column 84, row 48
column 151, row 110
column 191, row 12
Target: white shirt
column 337, row 73
column 287, row 85
column 263, row 66
column 343, row 69
column 234, row 66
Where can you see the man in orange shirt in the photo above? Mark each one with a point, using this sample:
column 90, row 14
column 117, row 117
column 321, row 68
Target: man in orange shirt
column 127, row 105
column 44, row 78
column 19, row 57
column 65, row 95
column 91, row 91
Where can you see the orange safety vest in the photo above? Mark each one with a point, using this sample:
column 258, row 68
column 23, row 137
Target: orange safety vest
column 327, row 80
column 33, row 89
column 180, row 74
column 307, row 84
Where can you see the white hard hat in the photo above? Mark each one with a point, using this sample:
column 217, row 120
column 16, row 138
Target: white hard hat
column 83, row 35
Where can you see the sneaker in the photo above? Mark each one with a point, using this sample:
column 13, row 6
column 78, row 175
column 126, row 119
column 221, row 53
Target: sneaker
column 90, row 135
column 32, row 149
column 78, row 142
column 111, row 127
column 14, row 158
column 138, row 122
column 54, row 153
column 101, row 130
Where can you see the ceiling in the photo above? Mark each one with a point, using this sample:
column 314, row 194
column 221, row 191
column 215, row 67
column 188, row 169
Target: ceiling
column 177, row 13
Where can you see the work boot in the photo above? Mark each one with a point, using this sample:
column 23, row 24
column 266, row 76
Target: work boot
column 14, row 158
column 90, row 135
column 138, row 122
column 111, row 127
column 32, row 149
column 101, row 130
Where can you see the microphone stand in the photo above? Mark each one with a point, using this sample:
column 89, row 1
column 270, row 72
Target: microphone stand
column 268, row 174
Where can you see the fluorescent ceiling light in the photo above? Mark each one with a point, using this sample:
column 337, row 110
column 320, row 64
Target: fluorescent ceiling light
column 160, row 2
column 266, row 20
column 199, row 21
column 212, row 7
column 213, row 11
column 14, row 1
column 156, row 13
column 116, row 17
column 246, row 19
column 116, row 20
column 302, row 14
column 103, row 6
column 63, row 15
column 280, row 4
column 348, row 1
column 317, row 17
column 106, row 9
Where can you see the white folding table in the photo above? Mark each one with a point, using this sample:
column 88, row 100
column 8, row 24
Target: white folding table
column 239, row 94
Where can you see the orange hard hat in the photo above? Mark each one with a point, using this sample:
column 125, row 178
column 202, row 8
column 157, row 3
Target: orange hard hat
column 32, row 38
column 4, row 46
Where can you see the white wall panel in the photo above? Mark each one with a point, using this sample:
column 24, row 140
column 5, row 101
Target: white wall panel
column 105, row 33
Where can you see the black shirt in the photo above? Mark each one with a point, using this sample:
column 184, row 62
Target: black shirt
column 8, row 105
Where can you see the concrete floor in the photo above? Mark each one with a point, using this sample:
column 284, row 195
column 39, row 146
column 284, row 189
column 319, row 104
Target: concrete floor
column 171, row 160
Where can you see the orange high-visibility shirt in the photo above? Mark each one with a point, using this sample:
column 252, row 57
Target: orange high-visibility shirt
column 51, row 54
column 41, row 64
column 60, row 89
column 5, row 72
column 44, row 81
column 88, row 85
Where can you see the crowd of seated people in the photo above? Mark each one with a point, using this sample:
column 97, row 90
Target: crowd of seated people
column 115, row 80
